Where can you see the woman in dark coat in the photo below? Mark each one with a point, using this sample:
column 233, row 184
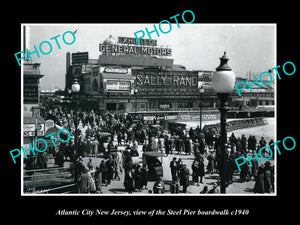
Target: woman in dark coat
column 259, row 186
column 98, row 179
column 211, row 163
column 268, row 175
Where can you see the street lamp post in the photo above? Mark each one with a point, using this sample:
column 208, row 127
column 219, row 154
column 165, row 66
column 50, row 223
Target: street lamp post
column 135, row 94
column 201, row 92
column 223, row 82
column 75, row 90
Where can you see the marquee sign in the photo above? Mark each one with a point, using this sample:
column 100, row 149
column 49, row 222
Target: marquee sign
column 156, row 82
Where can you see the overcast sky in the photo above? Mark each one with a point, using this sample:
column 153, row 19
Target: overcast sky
column 250, row 47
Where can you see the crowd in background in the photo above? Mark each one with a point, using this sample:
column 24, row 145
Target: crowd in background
column 99, row 134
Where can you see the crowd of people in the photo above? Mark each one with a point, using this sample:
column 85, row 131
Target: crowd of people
column 101, row 134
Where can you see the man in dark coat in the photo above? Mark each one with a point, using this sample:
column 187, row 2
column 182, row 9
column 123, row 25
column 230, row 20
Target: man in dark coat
column 187, row 146
column 232, row 139
column 174, row 168
column 167, row 145
column 244, row 143
column 128, row 181
column 184, row 177
column 262, row 142
column 59, row 159
column 137, row 176
column 144, row 176
column 110, row 169
column 78, row 169
column 103, row 170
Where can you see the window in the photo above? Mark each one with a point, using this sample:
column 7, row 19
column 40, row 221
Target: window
column 143, row 106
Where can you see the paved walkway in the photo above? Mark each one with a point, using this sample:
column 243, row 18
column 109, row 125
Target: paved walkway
column 117, row 187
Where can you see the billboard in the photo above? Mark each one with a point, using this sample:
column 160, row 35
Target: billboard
column 160, row 82
column 31, row 94
column 129, row 46
column 136, row 50
column 80, row 58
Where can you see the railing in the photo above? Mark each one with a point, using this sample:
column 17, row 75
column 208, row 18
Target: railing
column 182, row 110
column 38, row 180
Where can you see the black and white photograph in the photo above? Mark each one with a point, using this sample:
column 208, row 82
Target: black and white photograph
column 148, row 109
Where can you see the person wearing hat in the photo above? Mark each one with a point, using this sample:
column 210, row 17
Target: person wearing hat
column 159, row 186
column 90, row 164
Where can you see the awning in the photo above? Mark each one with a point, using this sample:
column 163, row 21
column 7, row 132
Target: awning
column 117, row 76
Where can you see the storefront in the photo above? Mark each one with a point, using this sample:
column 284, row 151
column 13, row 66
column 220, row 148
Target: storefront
column 116, row 88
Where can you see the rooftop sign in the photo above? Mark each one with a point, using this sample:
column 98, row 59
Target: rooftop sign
column 132, row 41
column 128, row 46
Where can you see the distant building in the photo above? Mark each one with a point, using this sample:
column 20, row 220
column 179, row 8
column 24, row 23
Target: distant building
column 259, row 97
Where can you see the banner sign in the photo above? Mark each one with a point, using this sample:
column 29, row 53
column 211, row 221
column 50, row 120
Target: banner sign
column 195, row 116
column 115, row 85
column 158, row 82
column 115, row 70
